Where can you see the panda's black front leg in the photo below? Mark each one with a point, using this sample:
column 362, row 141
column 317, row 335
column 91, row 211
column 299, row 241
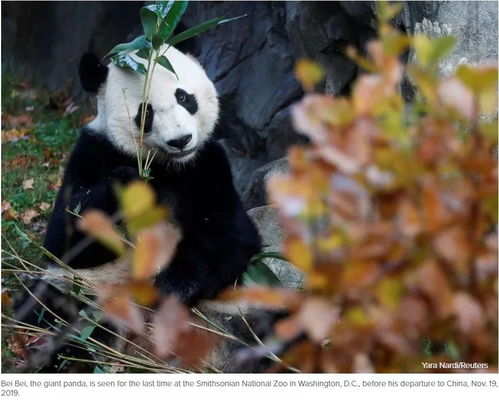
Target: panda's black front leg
column 187, row 275
column 201, row 270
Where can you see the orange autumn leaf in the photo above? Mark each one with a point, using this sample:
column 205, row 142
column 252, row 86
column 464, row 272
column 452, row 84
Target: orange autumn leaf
column 288, row 328
column 194, row 345
column 409, row 218
column 97, row 225
column 6, row 301
column 119, row 308
column 263, row 296
column 12, row 135
column 154, row 249
column 144, row 292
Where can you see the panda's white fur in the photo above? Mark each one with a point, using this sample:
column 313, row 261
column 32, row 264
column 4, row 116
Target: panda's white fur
column 120, row 97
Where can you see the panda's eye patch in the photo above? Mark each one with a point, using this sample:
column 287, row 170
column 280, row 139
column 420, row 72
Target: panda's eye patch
column 186, row 100
column 148, row 117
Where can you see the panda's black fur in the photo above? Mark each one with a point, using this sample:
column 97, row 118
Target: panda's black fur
column 218, row 237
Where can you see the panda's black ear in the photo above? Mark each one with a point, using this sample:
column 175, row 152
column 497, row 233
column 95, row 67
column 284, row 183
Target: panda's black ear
column 92, row 73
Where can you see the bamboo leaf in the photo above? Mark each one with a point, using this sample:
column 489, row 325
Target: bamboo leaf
column 149, row 21
column 143, row 53
column 161, row 8
column 156, row 41
column 138, row 43
column 172, row 18
column 258, row 273
column 163, row 61
column 126, row 62
column 86, row 332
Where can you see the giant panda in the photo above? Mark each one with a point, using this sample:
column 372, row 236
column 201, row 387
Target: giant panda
column 190, row 174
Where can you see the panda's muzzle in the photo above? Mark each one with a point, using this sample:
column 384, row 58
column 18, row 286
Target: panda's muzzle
column 180, row 142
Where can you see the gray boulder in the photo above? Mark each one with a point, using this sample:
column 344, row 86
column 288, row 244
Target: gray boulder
column 267, row 221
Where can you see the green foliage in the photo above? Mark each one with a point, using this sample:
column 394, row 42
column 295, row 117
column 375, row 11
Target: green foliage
column 259, row 273
column 40, row 155
column 159, row 21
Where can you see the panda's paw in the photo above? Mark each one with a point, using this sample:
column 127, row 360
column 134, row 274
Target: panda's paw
column 188, row 292
column 125, row 174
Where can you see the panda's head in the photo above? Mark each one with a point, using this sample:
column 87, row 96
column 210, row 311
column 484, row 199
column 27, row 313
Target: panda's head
column 181, row 114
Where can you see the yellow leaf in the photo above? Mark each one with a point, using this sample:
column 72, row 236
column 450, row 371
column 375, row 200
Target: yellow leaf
column 430, row 51
column 389, row 291
column 425, row 82
column 137, row 198
column 328, row 243
column 357, row 316
column 298, row 253
column 362, row 62
column 97, row 225
column 394, row 42
column 146, row 219
column 478, row 78
column 386, row 10
column 309, row 73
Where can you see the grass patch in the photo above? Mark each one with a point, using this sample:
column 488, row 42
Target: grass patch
column 39, row 129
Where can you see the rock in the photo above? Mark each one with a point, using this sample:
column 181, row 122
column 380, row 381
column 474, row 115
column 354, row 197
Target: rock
column 473, row 24
column 255, row 193
column 280, row 135
column 267, row 221
column 45, row 40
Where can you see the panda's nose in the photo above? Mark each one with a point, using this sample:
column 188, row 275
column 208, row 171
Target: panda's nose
column 180, row 142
